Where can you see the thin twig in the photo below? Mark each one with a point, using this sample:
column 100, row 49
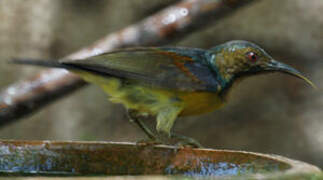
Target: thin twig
column 176, row 21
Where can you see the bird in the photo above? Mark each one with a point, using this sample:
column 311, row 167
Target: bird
column 171, row 82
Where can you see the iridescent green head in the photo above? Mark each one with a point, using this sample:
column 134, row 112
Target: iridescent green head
column 235, row 59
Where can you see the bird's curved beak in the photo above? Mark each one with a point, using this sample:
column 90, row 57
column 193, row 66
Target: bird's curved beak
column 284, row 68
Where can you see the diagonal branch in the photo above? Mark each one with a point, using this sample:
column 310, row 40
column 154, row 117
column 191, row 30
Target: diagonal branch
column 176, row 21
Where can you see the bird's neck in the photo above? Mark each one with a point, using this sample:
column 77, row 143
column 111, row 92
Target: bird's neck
column 226, row 88
column 228, row 70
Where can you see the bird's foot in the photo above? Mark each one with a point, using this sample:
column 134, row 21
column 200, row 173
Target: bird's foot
column 177, row 140
column 184, row 141
column 149, row 142
column 174, row 139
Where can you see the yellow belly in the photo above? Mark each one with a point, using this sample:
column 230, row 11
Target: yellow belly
column 199, row 102
column 152, row 100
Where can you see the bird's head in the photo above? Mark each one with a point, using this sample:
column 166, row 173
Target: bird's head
column 235, row 59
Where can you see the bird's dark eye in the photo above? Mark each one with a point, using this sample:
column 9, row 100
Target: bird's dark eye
column 252, row 56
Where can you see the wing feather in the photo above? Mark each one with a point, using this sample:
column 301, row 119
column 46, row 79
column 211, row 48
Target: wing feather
column 173, row 68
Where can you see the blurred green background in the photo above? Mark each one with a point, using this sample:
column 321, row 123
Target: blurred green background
column 269, row 113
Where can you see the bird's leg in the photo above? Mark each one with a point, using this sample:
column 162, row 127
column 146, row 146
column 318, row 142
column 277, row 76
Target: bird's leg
column 163, row 135
column 134, row 116
column 165, row 121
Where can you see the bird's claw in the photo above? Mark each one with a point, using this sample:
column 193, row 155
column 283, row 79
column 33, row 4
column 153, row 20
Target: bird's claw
column 184, row 141
column 179, row 141
column 148, row 142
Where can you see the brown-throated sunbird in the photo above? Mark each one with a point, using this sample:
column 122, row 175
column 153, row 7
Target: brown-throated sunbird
column 168, row 82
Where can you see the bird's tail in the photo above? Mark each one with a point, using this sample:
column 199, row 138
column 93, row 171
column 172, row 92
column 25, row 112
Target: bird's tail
column 40, row 62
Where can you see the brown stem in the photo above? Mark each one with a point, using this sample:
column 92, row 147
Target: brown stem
column 173, row 22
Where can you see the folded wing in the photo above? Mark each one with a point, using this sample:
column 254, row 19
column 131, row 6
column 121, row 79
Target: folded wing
column 172, row 68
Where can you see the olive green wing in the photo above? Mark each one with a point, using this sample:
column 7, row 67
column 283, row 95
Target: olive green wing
column 172, row 68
